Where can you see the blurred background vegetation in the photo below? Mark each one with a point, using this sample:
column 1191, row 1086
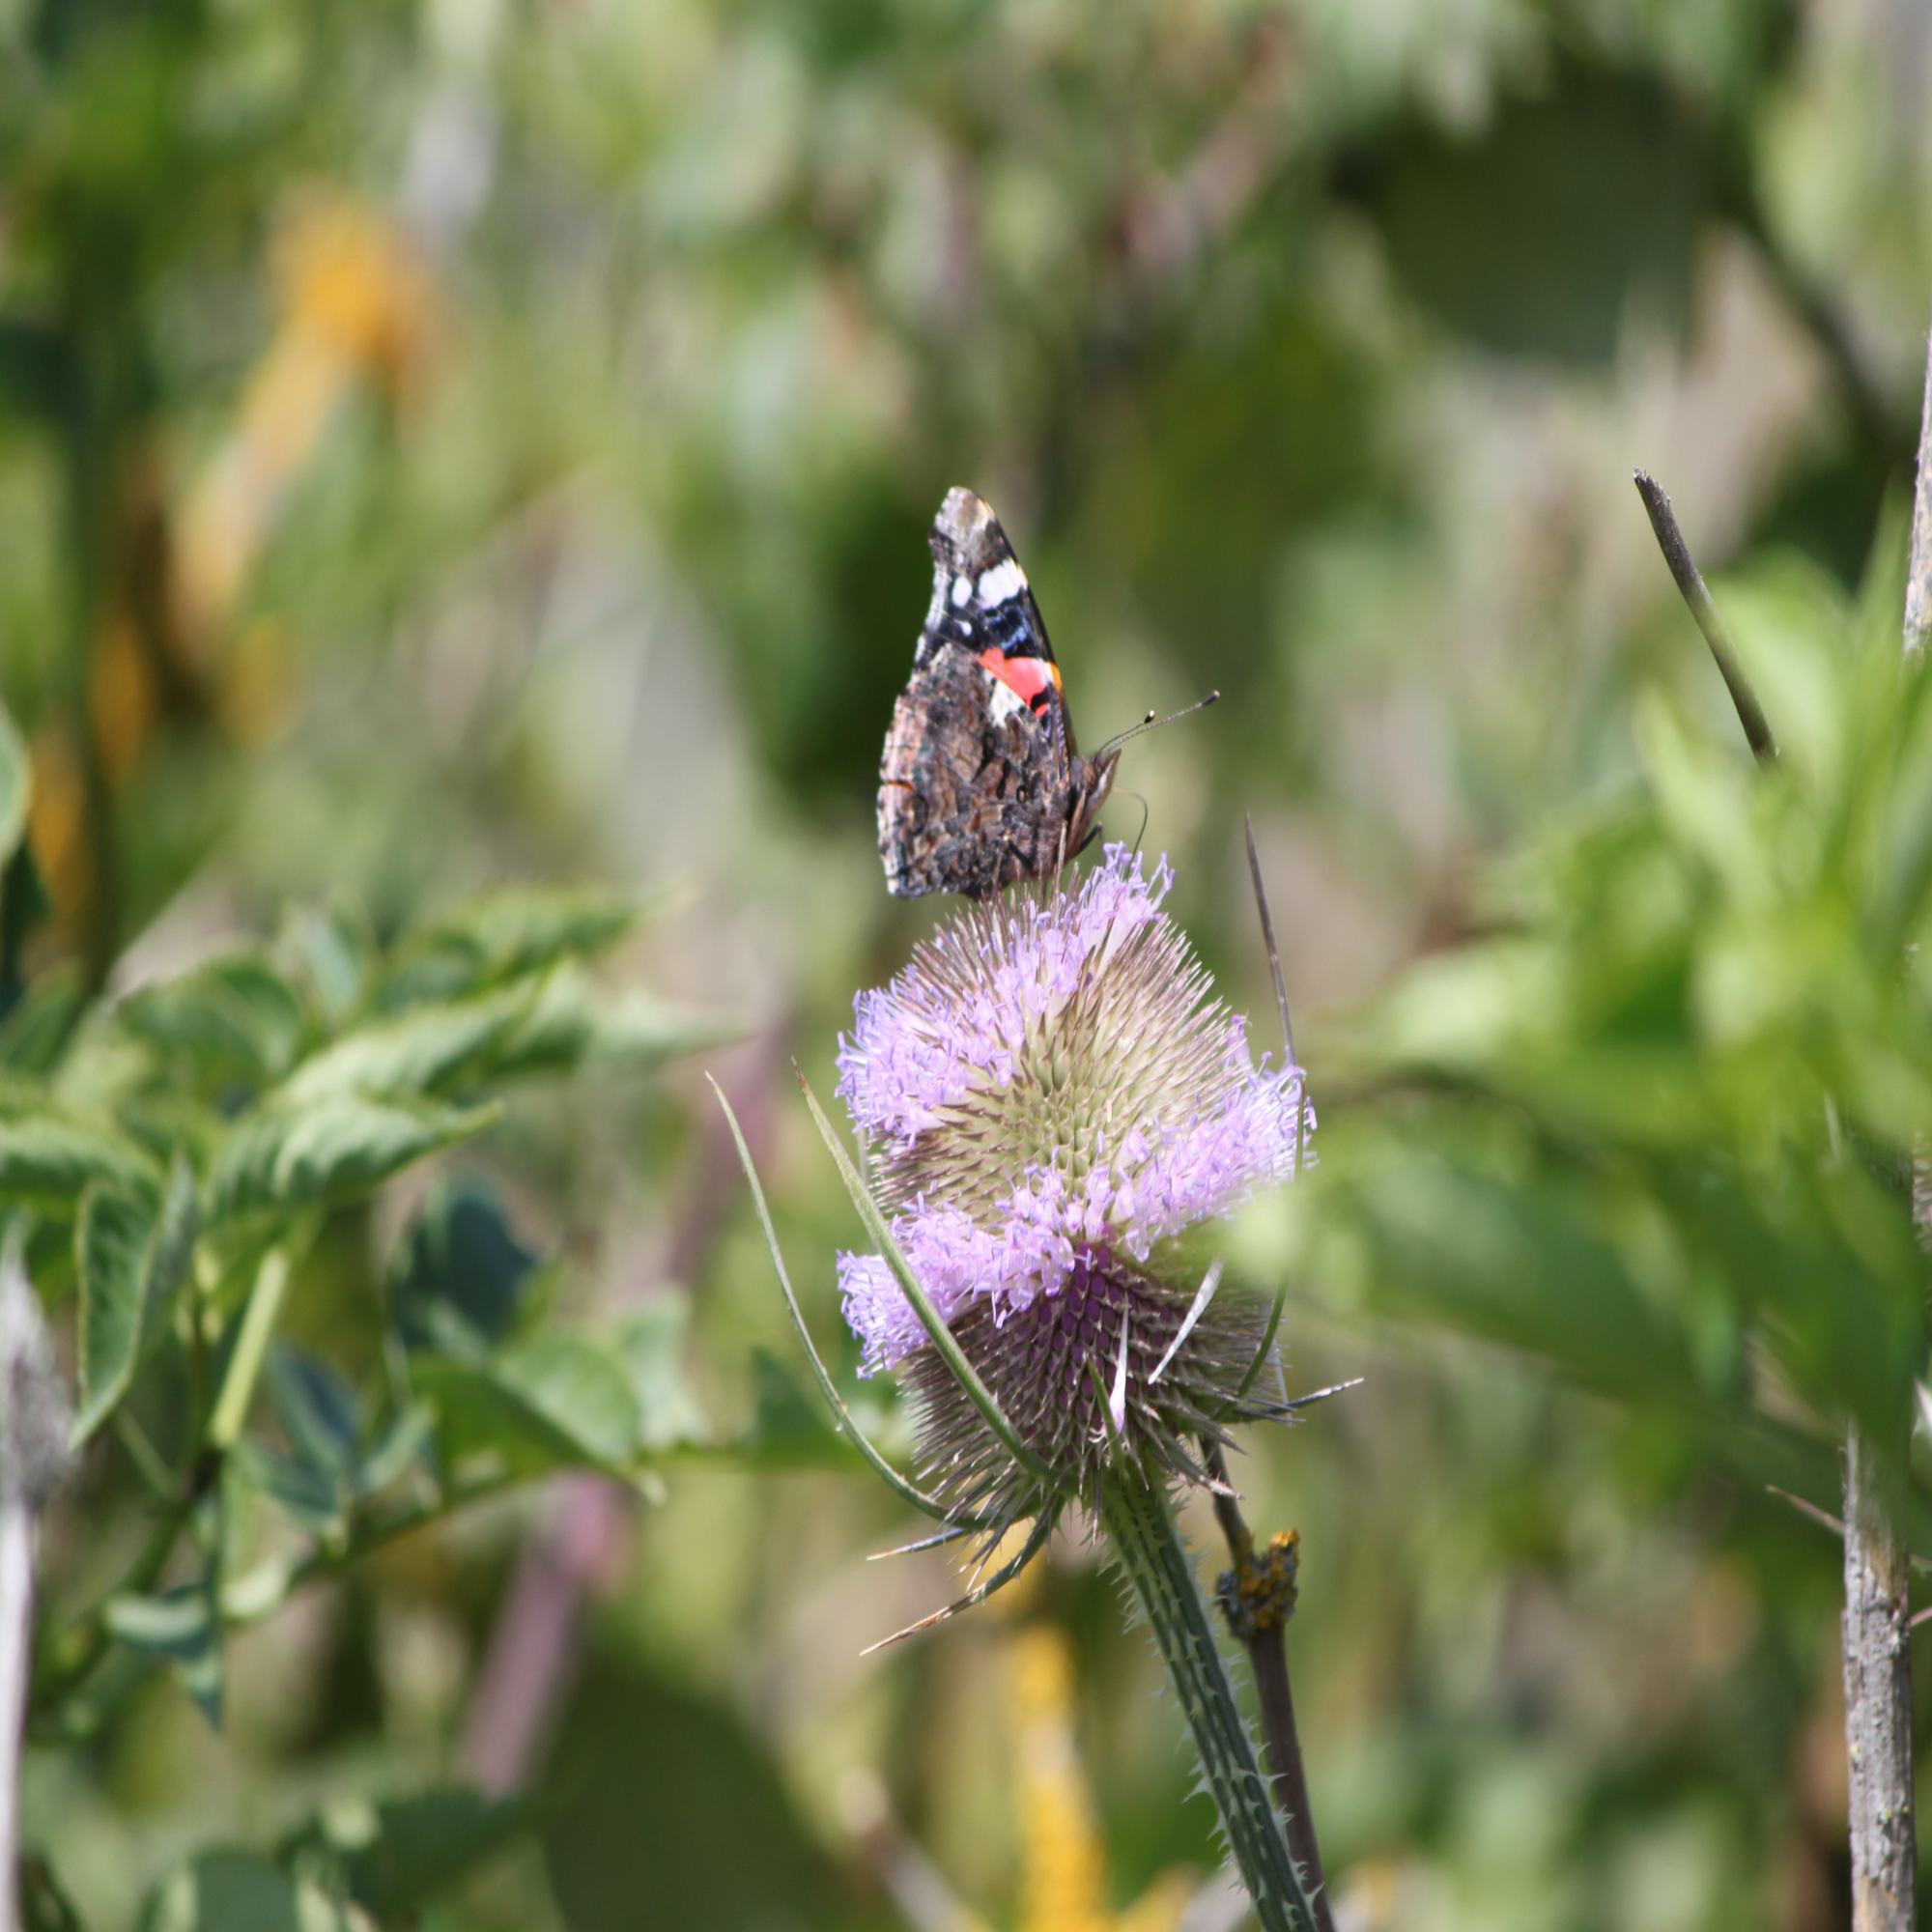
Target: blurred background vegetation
column 467, row 442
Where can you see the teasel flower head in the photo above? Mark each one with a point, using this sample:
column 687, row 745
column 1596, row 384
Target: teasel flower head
column 1056, row 1110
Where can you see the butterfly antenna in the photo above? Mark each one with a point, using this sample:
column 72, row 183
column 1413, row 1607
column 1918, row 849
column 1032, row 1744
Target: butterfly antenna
column 1152, row 724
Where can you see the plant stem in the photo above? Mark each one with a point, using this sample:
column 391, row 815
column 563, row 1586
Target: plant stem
column 244, row 1365
column 1140, row 1526
column 1878, row 1611
column 1266, row 1645
column 1878, row 1701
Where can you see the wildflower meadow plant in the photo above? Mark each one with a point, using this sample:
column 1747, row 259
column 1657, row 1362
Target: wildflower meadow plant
column 1056, row 1112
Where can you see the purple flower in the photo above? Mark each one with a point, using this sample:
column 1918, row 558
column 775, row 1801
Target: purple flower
column 1053, row 1099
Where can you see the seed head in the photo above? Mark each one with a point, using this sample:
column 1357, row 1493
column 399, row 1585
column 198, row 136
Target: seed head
column 1053, row 1101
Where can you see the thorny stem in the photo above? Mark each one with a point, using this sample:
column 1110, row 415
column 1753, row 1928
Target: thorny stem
column 1140, row 1528
column 1716, row 634
column 1266, row 1641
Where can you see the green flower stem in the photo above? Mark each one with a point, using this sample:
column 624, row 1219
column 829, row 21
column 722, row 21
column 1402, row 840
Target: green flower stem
column 1140, row 1526
column 244, row 1365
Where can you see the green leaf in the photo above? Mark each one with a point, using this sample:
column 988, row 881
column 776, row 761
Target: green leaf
column 336, row 953
column 24, row 907
column 428, row 1050
column 555, row 1402
column 652, row 1343
column 391, row 1857
column 180, row 1625
column 243, row 1891
column 638, row 1844
column 279, row 1157
column 318, row 1411
column 459, row 1282
column 398, row 1445
column 36, row 1032
column 571, row 1024
column 505, row 936
column 232, row 1019
column 44, row 1906
column 134, row 1260
column 787, row 1427
column 14, row 785
column 309, row 1496
column 1534, row 231
column 50, row 1154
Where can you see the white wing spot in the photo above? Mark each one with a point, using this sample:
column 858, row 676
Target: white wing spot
column 1006, row 701
column 962, row 591
column 1004, row 579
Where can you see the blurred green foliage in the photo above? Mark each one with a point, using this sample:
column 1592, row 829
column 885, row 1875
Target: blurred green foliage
column 1657, row 1124
column 445, row 447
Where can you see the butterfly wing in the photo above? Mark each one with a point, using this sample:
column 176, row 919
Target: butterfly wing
column 980, row 785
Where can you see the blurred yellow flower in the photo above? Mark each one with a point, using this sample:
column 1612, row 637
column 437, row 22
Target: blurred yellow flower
column 355, row 305
column 1063, row 1873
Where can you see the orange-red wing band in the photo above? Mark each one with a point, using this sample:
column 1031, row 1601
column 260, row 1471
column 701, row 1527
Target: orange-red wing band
column 1037, row 680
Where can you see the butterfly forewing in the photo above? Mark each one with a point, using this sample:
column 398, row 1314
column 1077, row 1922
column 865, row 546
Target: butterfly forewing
column 981, row 786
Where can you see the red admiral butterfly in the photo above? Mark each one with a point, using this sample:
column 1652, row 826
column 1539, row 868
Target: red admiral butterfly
column 980, row 785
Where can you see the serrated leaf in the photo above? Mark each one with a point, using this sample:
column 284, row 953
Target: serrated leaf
column 428, row 1050
column 51, row 1154
column 133, row 1257
column 232, row 1018
column 336, row 1150
column 459, row 1281
column 556, row 1402
column 393, row 1857
column 503, row 936
column 571, row 1024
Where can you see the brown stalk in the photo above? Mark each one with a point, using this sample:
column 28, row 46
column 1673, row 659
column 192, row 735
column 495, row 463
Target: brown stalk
column 1265, row 1638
